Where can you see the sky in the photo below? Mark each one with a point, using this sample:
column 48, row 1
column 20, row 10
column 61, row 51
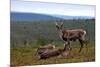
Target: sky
column 52, row 8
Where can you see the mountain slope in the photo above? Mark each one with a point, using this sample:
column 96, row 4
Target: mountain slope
column 73, row 17
column 30, row 16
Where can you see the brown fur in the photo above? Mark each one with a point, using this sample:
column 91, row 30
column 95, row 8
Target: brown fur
column 51, row 53
column 42, row 49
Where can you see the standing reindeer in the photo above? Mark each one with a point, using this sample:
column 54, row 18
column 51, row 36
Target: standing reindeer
column 68, row 35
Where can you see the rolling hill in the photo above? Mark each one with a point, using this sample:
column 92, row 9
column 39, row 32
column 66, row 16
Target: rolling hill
column 18, row 16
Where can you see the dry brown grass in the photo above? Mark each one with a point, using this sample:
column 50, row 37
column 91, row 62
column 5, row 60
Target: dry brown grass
column 25, row 56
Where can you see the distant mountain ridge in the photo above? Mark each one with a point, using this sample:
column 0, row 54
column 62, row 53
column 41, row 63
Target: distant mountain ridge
column 30, row 16
column 74, row 17
column 18, row 16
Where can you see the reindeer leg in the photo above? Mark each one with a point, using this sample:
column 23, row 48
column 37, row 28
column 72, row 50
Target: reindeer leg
column 86, row 43
column 81, row 43
column 67, row 46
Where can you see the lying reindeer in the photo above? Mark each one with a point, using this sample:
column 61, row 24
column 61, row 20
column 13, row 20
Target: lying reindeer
column 42, row 49
column 44, row 52
column 51, row 53
column 71, row 35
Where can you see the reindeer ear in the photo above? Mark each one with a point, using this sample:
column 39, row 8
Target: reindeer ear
column 56, row 23
column 61, row 24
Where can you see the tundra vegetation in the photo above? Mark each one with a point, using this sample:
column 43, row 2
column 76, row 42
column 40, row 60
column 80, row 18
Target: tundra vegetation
column 27, row 36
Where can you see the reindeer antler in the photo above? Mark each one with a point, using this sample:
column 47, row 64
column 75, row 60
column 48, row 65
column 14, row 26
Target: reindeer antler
column 62, row 24
column 56, row 23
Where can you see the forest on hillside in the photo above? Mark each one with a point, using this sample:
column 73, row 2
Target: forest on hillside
column 30, row 32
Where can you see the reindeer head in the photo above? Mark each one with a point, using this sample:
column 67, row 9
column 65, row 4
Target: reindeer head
column 59, row 27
